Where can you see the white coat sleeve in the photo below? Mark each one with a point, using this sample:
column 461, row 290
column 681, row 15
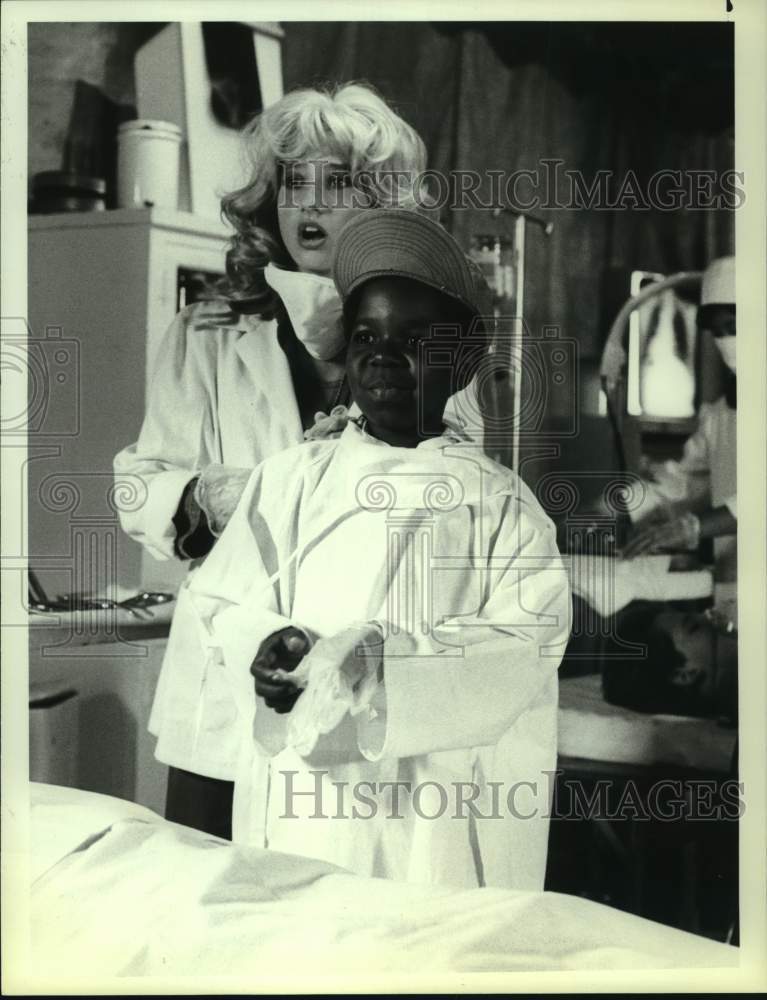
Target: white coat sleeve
column 685, row 481
column 177, row 437
column 464, row 412
column 431, row 701
column 237, row 591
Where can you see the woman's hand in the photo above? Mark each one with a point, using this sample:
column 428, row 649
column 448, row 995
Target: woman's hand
column 663, row 532
column 327, row 425
column 278, row 654
column 218, row 491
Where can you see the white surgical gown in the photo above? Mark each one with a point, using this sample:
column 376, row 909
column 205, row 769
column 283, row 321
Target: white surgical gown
column 447, row 779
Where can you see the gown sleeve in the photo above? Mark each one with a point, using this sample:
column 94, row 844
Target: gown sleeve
column 432, row 699
column 177, row 438
column 241, row 593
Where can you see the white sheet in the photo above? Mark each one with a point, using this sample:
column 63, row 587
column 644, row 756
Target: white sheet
column 118, row 891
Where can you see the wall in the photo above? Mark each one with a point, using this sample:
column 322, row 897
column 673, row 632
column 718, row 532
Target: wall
column 100, row 53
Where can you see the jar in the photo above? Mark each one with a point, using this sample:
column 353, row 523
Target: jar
column 148, row 159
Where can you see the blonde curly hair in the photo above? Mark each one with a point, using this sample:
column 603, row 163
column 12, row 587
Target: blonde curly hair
column 350, row 122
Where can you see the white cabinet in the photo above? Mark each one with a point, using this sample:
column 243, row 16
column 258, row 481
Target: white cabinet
column 102, row 291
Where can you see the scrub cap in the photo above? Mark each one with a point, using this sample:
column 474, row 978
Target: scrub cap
column 391, row 242
column 718, row 286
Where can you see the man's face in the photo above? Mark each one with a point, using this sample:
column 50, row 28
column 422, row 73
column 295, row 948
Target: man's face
column 316, row 199
column 692, row 638
column 394, row 377
column 720, row 320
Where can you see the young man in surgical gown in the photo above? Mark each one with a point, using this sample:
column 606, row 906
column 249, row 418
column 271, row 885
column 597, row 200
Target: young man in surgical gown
column 390, row 607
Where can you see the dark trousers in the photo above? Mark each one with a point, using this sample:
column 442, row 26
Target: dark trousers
column 202, row 803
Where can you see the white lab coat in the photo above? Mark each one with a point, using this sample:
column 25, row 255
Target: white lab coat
column 705, row 475
column 338, row 532
column 222, row 393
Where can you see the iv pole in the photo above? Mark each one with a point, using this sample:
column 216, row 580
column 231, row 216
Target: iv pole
column 515, row 358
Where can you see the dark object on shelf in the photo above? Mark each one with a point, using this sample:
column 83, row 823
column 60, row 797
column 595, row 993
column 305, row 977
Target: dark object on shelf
column 90, row 148
column 63, row 191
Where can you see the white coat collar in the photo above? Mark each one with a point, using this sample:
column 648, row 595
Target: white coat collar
column 439, row 473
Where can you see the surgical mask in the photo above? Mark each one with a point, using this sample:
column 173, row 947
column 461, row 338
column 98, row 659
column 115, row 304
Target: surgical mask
column 314, row 307
column 726, row 347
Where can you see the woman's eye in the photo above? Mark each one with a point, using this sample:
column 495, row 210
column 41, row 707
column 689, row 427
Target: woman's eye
column 293, row 177
column 362, row 337
column 414, row 339
column 339, row 180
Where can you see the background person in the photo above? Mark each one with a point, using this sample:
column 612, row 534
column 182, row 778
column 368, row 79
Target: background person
column 696, row 498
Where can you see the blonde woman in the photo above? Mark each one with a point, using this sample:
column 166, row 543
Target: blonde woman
column 243, row 377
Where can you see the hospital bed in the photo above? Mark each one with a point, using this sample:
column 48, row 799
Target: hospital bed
column 119, row 892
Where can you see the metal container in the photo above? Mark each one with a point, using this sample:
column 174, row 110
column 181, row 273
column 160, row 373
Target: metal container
column 62, row 191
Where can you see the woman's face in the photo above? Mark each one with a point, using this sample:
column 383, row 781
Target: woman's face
column 315, row 201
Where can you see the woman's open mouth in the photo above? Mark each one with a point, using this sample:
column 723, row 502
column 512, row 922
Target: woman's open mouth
column 311, row 236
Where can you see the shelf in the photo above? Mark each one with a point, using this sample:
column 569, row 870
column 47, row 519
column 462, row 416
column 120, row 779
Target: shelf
column 659, row 425
column 161, row 218
column 95, row 628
